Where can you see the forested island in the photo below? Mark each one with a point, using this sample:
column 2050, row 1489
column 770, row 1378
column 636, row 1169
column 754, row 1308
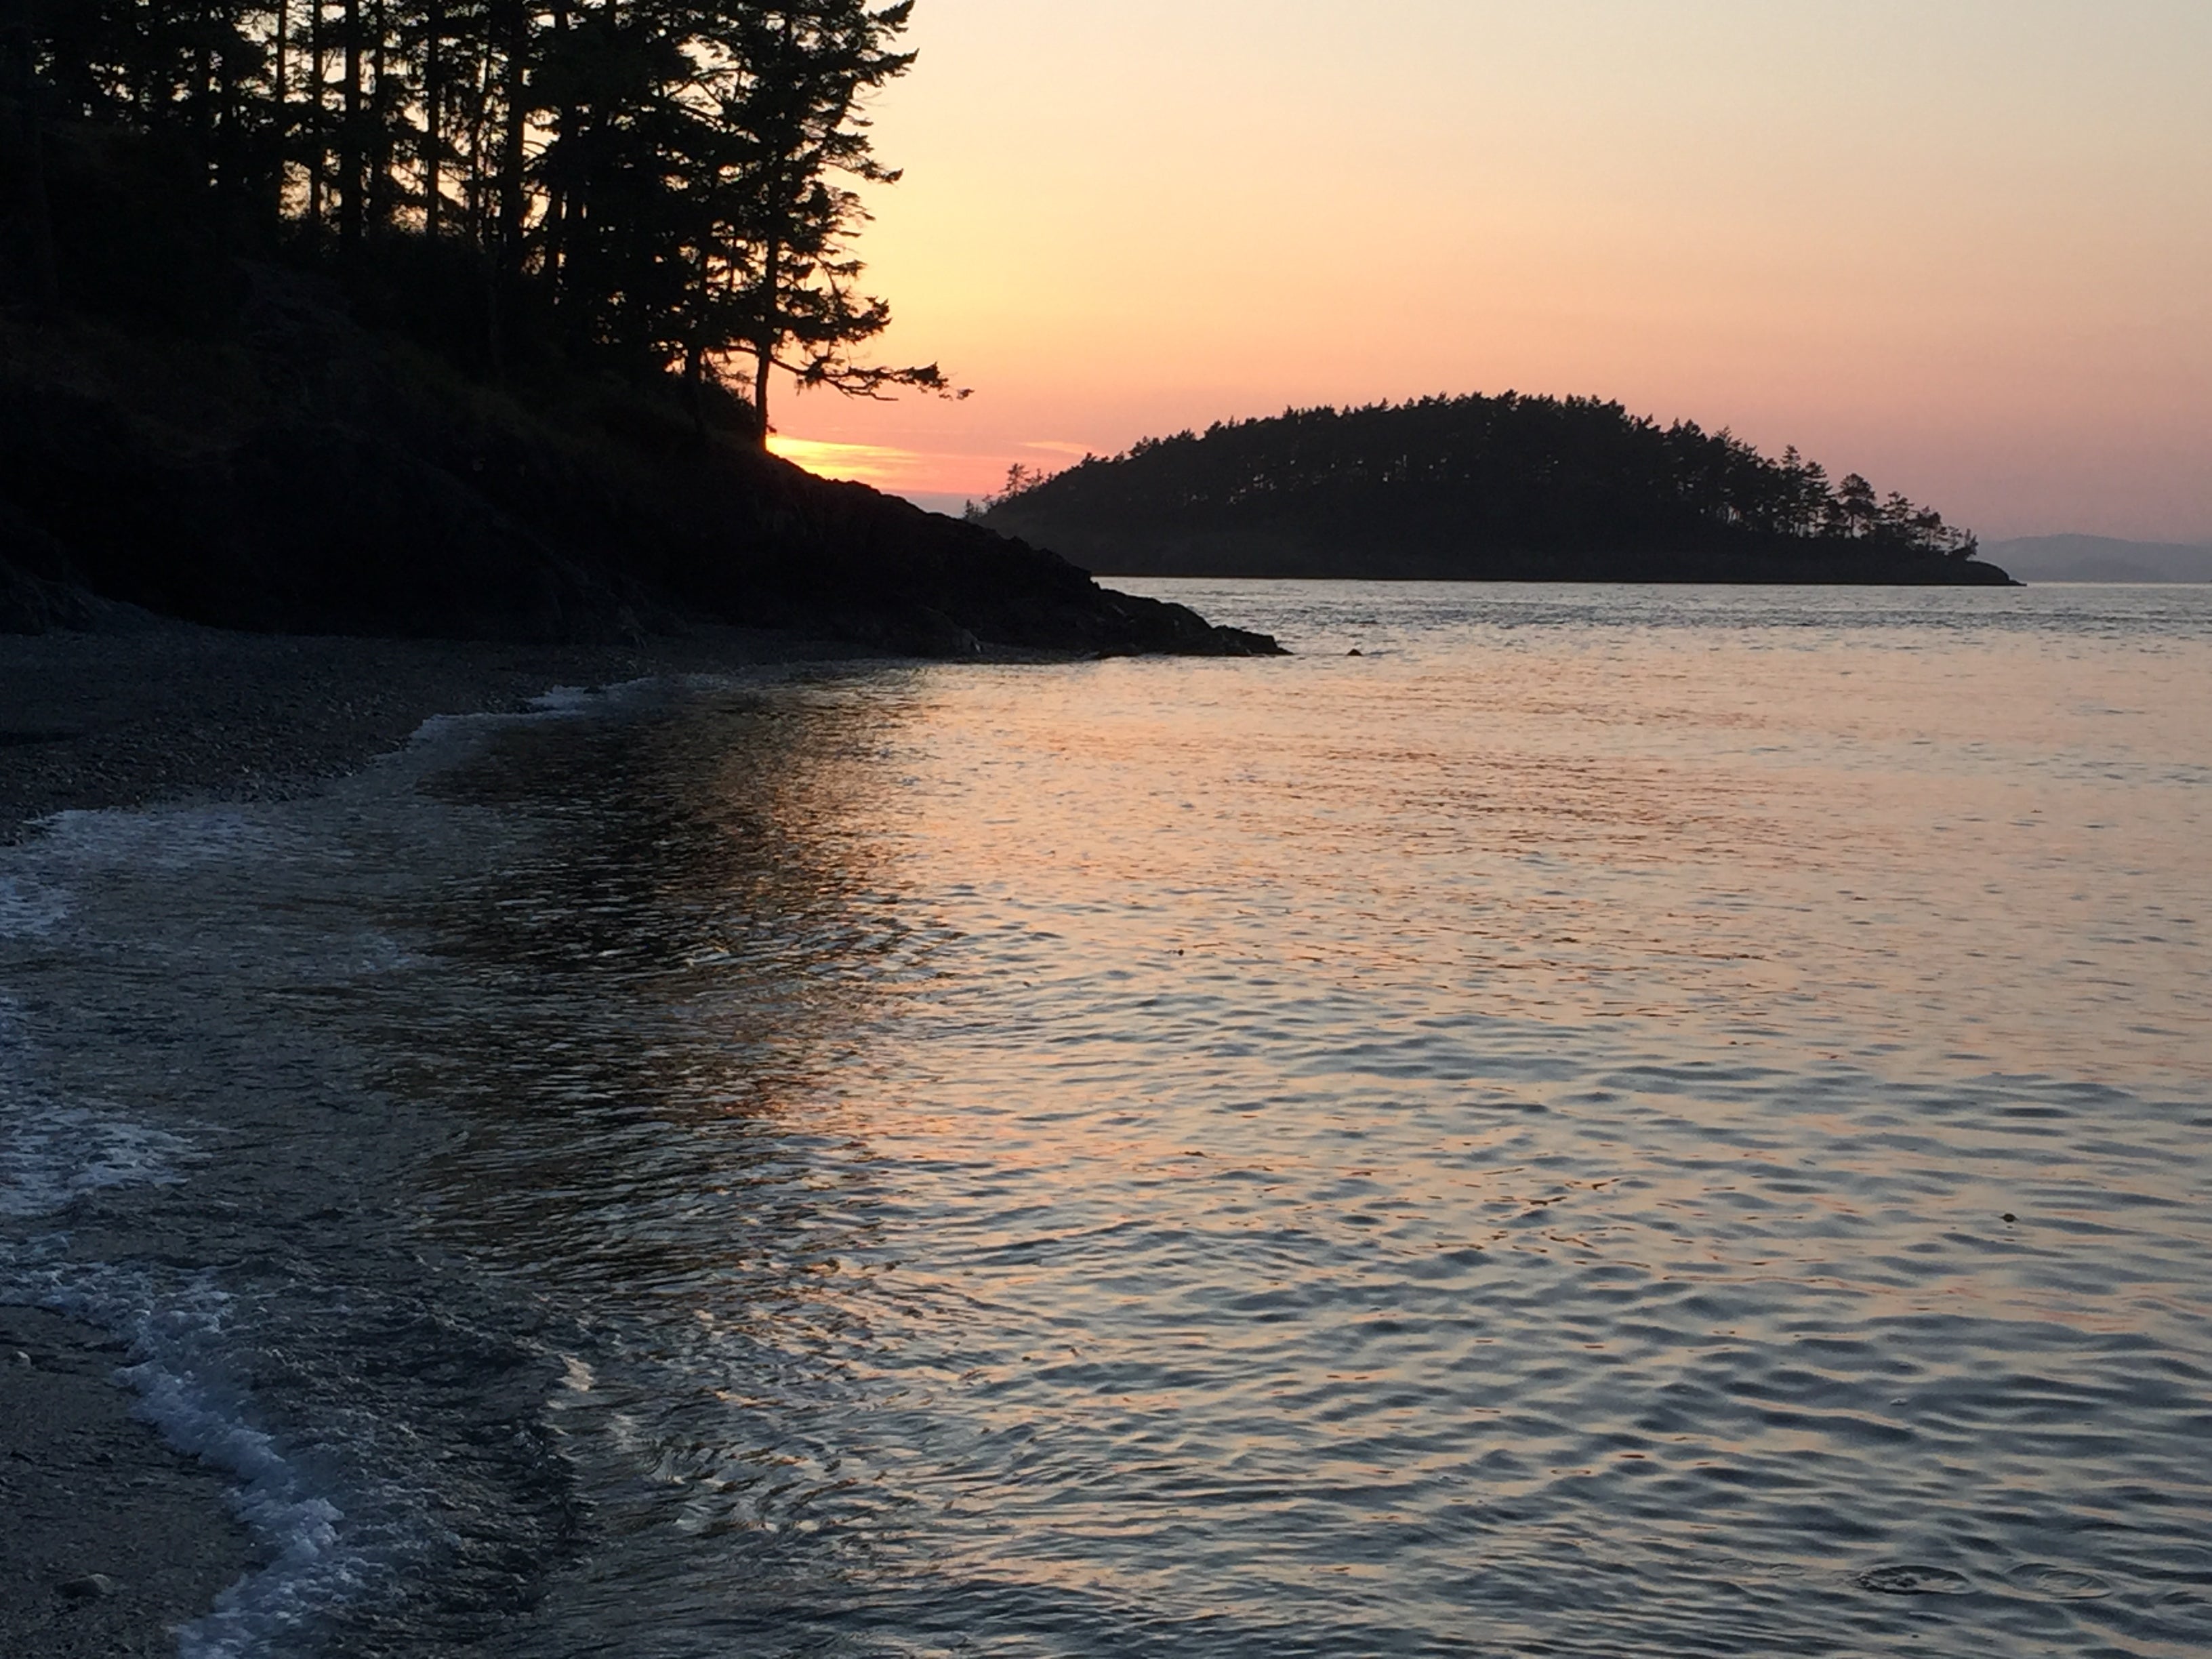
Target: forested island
column 461, row 317
column 1496, row 489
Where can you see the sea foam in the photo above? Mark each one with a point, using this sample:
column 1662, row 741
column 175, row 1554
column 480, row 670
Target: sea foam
column 52, row 1153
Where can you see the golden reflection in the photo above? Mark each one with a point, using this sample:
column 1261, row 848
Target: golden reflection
column 1126, row 1090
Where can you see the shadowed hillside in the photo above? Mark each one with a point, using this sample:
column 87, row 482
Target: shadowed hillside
column 301, row 474
column 1484, row 488
column 433, row 318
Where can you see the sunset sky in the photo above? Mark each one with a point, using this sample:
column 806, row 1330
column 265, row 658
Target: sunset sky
column 1964, row 247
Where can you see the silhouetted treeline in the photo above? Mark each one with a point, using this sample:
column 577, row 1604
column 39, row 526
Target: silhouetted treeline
column 652, row 184
column 1503, row 487
column 215, row 216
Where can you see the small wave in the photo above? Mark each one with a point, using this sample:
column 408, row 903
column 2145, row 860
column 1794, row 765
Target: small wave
column 28, row 909
column 168, row 838
column 181, row 1339
column 52, row 1153
column 2059, row 1583
column 182, row 1392
column 560, row 702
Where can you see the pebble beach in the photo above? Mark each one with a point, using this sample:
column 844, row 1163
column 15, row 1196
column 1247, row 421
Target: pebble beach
column 113, row 1538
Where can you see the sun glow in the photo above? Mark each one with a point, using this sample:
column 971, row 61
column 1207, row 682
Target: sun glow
column 879, row 465
column 921, row 471
column 1979, row 277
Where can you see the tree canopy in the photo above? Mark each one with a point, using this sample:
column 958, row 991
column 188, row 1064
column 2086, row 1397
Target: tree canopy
column 1458, row 485
column 664, row 186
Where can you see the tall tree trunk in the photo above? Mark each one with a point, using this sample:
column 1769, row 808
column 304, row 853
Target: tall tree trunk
column 351, row 166
column 377, row 143
column 434, row 130
column 479, row 180
column 695, row 351
column 18, row 75
column 772, row 252
column 317, row 152
column 512, row 206
column 553, row 258
column 204, row 98
column 765, row 341
column 228, row 157
column 281, row 84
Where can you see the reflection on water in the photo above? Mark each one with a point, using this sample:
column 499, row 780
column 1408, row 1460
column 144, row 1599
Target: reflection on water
column 1609, row 1123
column 1502, row 1143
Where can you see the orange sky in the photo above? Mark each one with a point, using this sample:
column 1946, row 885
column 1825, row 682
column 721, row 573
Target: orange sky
column 1964, row 247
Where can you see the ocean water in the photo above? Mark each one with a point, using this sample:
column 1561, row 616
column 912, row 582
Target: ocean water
column 1609, row 1122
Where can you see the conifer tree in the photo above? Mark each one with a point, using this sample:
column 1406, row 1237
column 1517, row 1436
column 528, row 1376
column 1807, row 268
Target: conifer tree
column 807, row 69
column 657, row 184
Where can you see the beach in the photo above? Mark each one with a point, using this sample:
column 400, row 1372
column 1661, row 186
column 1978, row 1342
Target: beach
column 113, row 1538
column 157, row 710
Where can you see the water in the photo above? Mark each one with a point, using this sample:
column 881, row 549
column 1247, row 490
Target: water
column 1662, row 1122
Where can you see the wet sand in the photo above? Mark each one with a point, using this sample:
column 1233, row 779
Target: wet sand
column 110, row 1539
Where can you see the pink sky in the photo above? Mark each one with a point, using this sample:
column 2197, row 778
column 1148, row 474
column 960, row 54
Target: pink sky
column 1964, row 247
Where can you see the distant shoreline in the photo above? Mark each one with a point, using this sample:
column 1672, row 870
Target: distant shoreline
column 1475, row 488
column 1102, row 573
column 2075, row 558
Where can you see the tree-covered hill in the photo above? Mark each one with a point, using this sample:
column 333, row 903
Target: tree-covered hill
column 1507, row 487
column 300, row 473
column 459, row 317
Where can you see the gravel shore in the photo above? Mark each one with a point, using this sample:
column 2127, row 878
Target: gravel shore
column 111, row 1540
column 162, row 711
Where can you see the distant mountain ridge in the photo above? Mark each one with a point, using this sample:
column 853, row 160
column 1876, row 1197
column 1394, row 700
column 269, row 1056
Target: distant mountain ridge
column 2101, row 559
column 1484, row 488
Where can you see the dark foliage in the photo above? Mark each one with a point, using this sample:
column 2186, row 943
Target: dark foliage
column 457, row 318
column 306, row 475
column 1509, row 486
column 646, row 186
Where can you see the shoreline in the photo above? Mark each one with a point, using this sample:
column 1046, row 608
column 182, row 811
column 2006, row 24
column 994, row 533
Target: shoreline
column 114, row 1538
column 153, row 710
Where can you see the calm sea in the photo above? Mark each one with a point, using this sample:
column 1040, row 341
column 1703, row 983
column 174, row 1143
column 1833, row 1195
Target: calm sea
column 1550, row 1122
